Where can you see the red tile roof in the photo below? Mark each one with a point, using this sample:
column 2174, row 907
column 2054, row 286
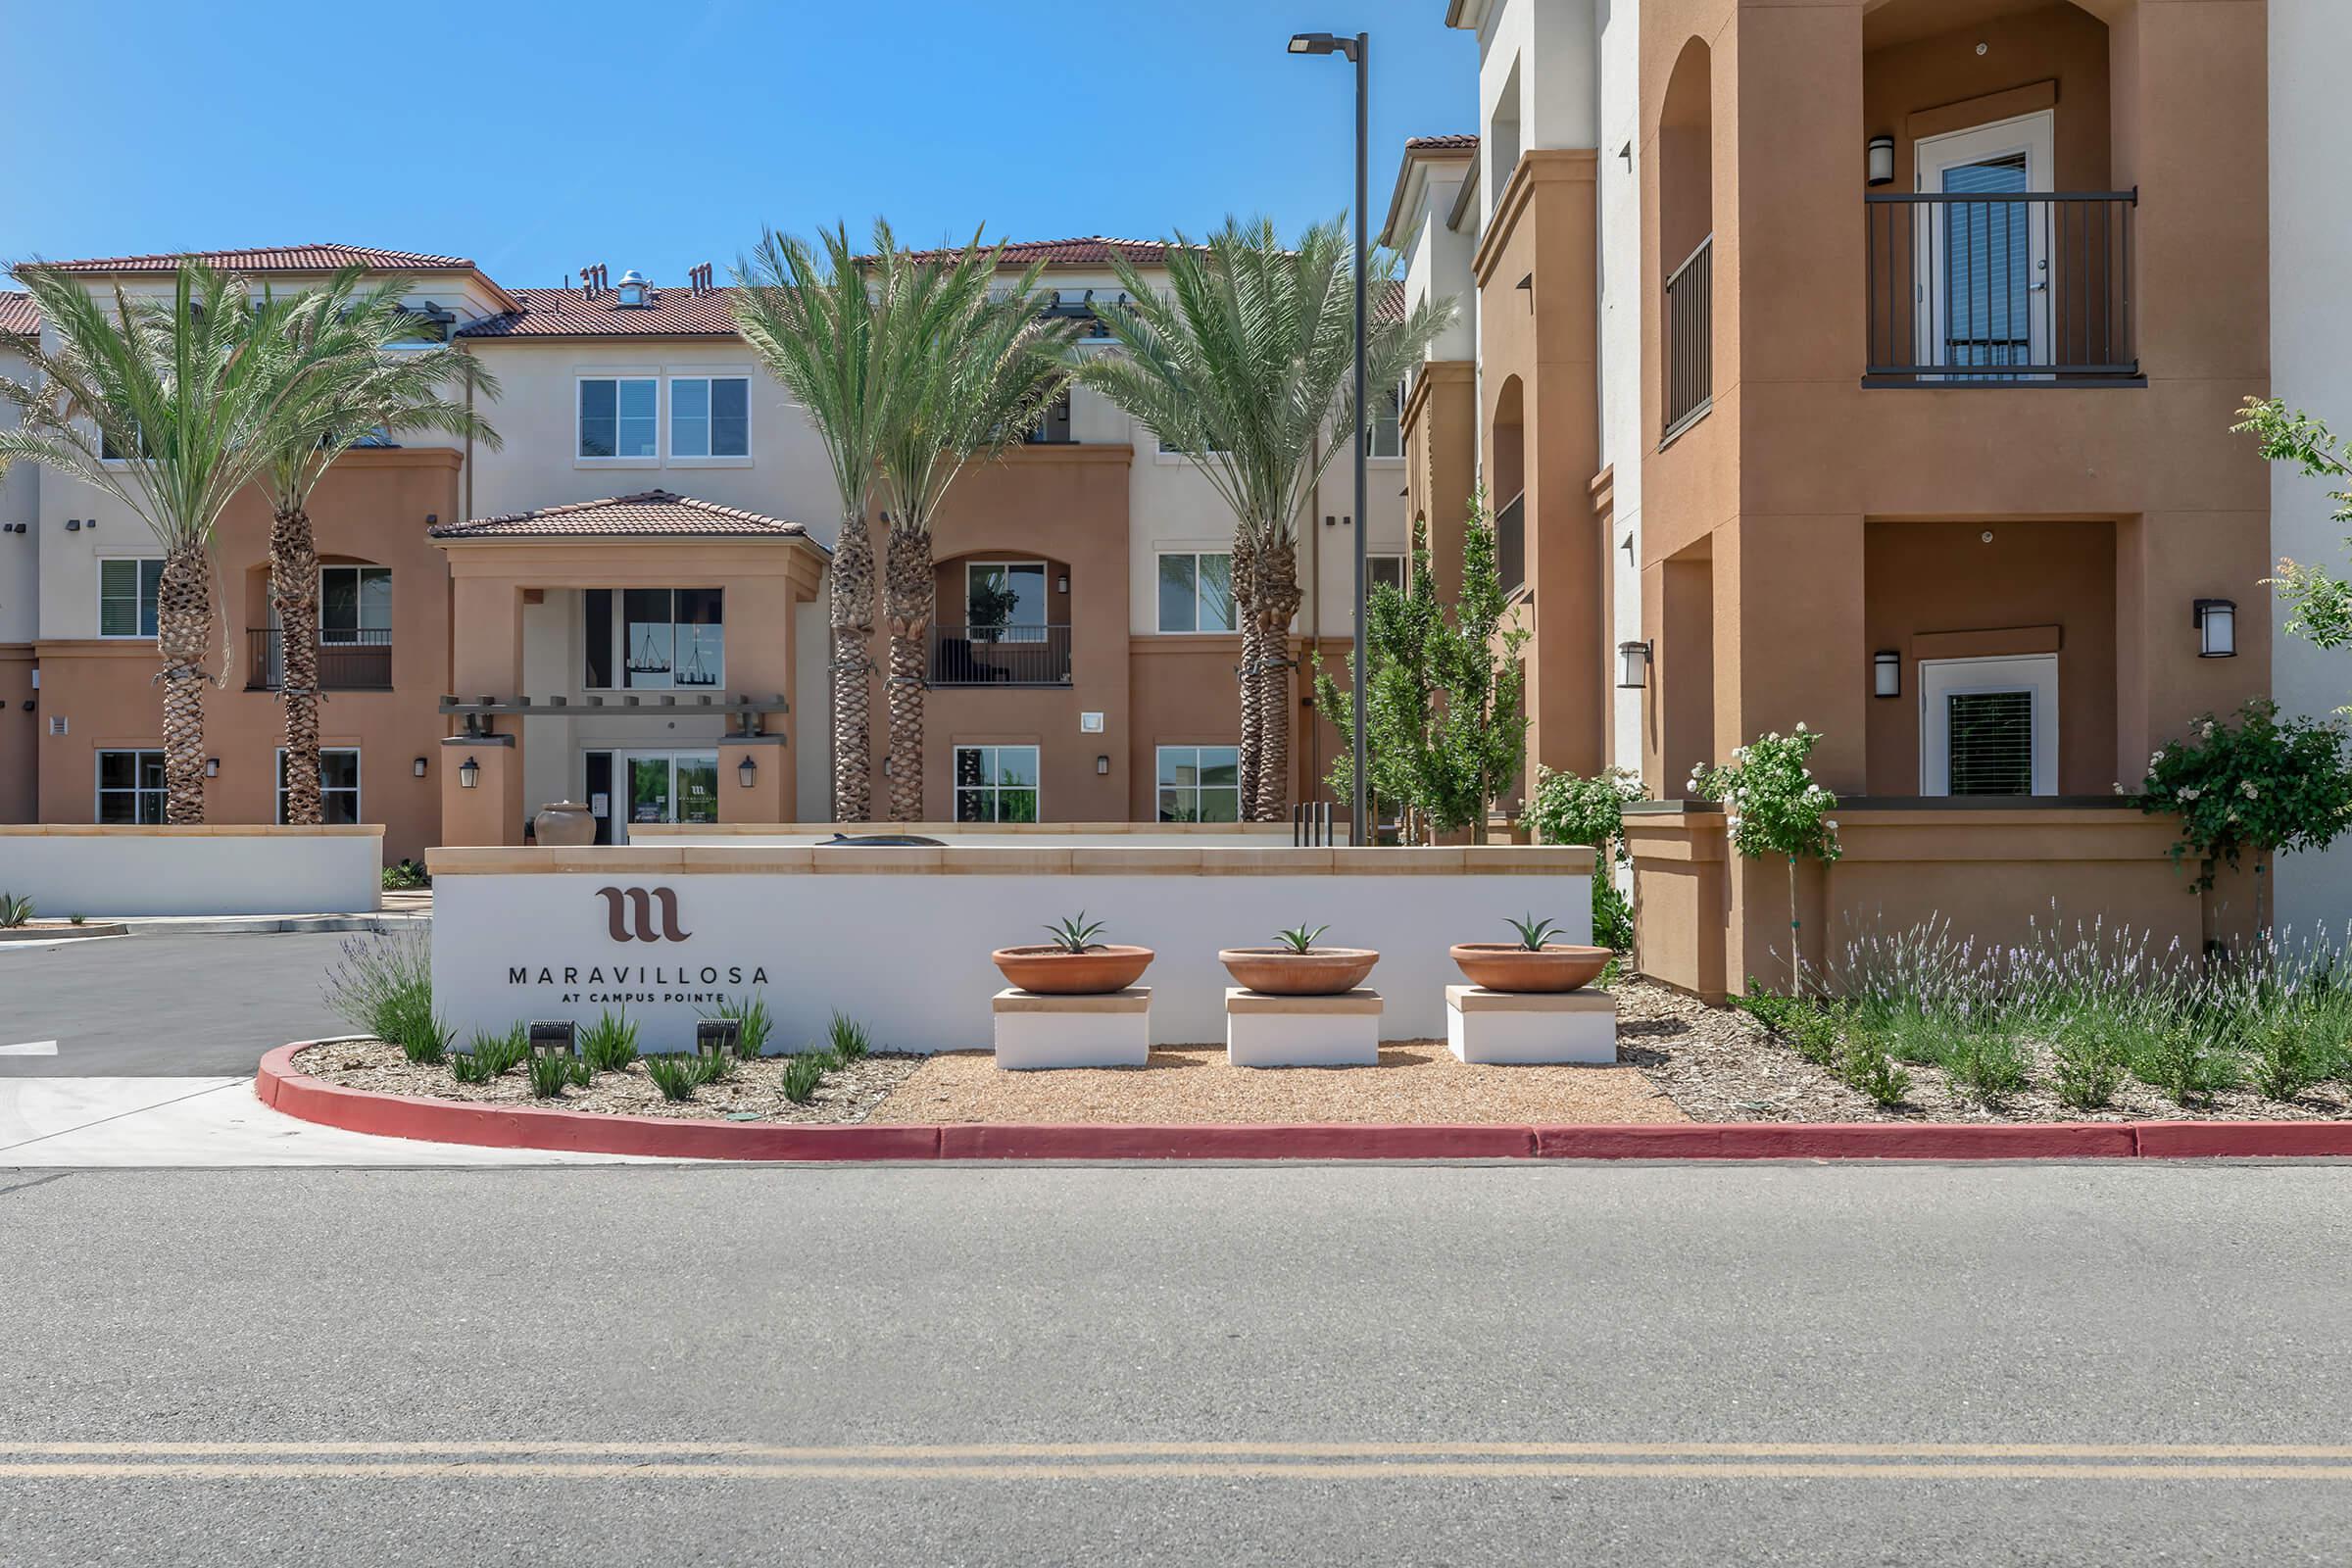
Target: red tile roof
column 650, row 512
column 18, row 316
column 568, row 313
column 1087, row 250
column 326, row 257
column 1460, row 141
column 1390, row 307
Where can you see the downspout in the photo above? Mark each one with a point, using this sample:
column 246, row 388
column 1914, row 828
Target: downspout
column 468, row 518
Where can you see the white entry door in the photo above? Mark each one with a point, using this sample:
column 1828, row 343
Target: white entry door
column 1989, row 726
column 1985, row 283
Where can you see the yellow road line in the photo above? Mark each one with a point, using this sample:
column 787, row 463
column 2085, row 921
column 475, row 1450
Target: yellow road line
column 1198, row 1469
column 1010, row 1451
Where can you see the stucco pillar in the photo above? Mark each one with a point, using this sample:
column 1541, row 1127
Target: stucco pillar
column 490, row 810
column 1441, row 450
column 770, row 796
column 1790, row 639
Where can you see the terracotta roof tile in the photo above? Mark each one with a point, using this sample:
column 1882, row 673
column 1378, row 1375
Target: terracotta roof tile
column 19, row 317
column 1460, row 141
column 1390, row 307
column 568, row 313
column 325, row 257
column 1087, row 250
column 650, row 512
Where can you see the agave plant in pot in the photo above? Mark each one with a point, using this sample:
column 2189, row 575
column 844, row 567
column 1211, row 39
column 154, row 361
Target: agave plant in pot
column 1296, row 968
column 1073, row 964
column 1533, row 963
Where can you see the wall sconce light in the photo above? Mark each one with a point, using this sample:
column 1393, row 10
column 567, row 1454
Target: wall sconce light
column 746, row 772
column 1632, row 665
column 1101, row 764
column 469, row 773
column 1062, row 585
column 551, row 1036
column 1881, row 160
column 418, row 768
column 211, row 767
column 1886, row 673
column 2217, row 627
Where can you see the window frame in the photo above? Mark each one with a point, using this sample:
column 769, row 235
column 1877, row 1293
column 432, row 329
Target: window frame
column 616, row 633
column 358, row 638
column 1374, row 558
column 140, row 601
column 996, row 791
column 1013, row 631
column 355, row 790
column 1161, row 787
column 1159, row 620
column 137, row 791
column 579, row 415
column 1395, row 396
column 709, row 381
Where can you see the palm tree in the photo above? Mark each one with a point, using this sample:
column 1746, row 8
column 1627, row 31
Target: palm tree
column 350, row 347
column 973, row 370
column 171, row 408
column 814, row 320
column 1244, row 363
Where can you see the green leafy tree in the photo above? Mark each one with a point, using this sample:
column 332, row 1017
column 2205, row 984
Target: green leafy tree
column 166, row 405
column 2319, row 602
column 1403, row 630
column 1772, row 805
column 1245, row 363
column 2260, row 787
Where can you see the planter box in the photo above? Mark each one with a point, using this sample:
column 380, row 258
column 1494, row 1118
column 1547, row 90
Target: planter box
column 1038, row 1032
column 1342, row 1031
column 1517, row 1028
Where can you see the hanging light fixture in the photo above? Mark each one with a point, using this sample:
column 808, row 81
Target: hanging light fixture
column 746, row 772
column 1632, row 665
column 469, row 773
column 2217, row 627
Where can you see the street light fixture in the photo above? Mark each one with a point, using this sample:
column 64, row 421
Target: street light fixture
column 1357, row 51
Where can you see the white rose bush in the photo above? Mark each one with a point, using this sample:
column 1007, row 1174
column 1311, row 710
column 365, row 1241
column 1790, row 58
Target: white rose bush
column 1772, row 805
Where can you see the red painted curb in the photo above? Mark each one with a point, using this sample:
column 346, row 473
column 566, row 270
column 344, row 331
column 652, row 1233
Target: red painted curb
column 280, row 1086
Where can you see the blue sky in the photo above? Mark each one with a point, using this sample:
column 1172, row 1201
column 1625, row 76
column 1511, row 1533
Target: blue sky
column 536, row 137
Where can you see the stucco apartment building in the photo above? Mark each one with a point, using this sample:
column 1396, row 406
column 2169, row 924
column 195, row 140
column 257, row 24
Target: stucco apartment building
column 623, row 605
column 1870, row 363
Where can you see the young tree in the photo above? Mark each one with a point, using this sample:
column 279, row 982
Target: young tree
column 1245, row 363
column 1772, row 807
column 1403, row 629
column 169, row 407
column 356, row 349
column 2320, row 603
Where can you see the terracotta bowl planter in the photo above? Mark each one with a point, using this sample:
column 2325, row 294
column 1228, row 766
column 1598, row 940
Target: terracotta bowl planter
column 1281, row 972
column 1046, row 970
column 1508, row 967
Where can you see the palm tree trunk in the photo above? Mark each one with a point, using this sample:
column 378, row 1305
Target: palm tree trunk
column 849, row 612
column 184, row 631
column 1242, row 584
column 907, row 591
column 294, row 595
column 1275, row 580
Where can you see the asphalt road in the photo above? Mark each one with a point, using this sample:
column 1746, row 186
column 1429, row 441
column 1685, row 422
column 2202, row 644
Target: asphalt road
column 143, row 1007
column 852, row 1365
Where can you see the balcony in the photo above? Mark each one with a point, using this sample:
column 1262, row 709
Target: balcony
column 1000, row 656
column 1691, row 340
column 1510, row 544
column 348, row 660
column 2002, row 288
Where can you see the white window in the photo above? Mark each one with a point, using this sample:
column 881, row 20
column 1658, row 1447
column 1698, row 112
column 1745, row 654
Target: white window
column 1384, row 572
column 126, row 595
column 355, row 605
column 107, row 452
column 1167, row 450
column 995, row 783
column 660, row 639
column 710, row 416
column 338, row 784
column 1382, row 437
column 1199, row 784
column 617, row 418
column 1989, row 726
column 1195, row 591
column 1005, row 601
column 131, row 787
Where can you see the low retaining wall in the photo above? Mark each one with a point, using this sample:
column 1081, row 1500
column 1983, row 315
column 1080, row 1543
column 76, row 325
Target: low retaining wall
column 899, row 937
column 228, row 869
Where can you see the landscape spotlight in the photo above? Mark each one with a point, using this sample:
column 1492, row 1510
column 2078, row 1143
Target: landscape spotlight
column 716, row 1037
column 551, row 1036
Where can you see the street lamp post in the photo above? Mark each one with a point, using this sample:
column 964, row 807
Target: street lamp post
column 1358, row 50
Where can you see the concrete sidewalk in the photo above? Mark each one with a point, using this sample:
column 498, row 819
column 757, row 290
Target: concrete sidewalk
column 401, row 907
column 208, row 1122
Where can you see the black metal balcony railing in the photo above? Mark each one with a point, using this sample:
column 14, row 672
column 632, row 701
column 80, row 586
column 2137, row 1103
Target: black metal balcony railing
column 1690, row 339
column 348, row 660
column 1000, row 656
column 1997, row 288
column 1510, row 544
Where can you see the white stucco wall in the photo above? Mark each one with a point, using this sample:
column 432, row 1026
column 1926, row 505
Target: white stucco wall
column 1538, row 59
column 20, row 552
column 1621, row 433
column 2311, row 367
column 193, row 870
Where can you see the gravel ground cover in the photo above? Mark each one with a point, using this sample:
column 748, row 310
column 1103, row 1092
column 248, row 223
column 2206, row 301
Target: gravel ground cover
column 754, row 1091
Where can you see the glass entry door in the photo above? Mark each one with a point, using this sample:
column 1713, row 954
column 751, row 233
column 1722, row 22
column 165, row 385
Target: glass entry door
column 636, row 788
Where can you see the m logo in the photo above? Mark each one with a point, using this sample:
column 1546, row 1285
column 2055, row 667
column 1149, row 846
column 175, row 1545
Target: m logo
column 637, row 923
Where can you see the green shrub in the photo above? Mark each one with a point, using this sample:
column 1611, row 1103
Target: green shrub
column 678, row 1077
column 1612, row 913
column 753, row 1023
column 1767, row 1008
column 1813, row 1034
column 803, row 1073
column 380, row 979
column 715, row 1068
column 15, row 911
column 2185, row 1061
column 2287, row 1055
column 1989, row 1068
column 77, row 919
column 549, row 1074
column 408, row 1021
column 491, row 1055
column 1864, row 1064
column 2091, row 1055
column 848, row 1037
column 609, row 1043
column 405, row 874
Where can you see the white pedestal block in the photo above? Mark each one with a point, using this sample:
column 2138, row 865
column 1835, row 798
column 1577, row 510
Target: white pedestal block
column 1516, row 1028
column 1036, row 1031
column 1263, row 1031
